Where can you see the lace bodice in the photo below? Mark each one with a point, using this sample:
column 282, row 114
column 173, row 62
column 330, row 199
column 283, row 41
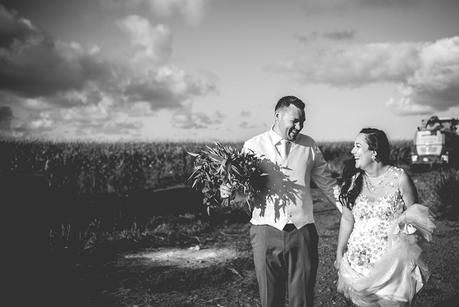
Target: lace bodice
column 375, row 209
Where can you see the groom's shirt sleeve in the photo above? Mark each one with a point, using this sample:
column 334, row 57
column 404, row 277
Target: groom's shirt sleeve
column 321, row 175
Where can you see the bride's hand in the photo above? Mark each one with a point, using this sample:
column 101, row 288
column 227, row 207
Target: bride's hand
column 337, row 262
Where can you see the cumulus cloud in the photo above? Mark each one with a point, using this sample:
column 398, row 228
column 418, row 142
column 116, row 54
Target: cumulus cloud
column 426, row 73
column 92, row 94
column 168, row 87
column 151, row 78
column 434, row 84
column 338, row 35
column 355, row 65
column 190, row 10
column 32, row 64
column 68, row 90
column 35, row 126
column 115, row 126
column 13, row 28
column 42, row 123
column 150, row 43
column 319, row 5
column 102, row 121
column 186, row 119
column 404, row 106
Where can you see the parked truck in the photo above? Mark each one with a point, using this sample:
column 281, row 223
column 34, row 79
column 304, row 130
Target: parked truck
column 436, row 142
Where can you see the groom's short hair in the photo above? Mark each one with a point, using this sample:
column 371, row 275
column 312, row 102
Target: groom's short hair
column 286, row 101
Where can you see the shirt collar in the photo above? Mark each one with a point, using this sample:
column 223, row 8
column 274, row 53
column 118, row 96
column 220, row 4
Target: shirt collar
column 274, row 137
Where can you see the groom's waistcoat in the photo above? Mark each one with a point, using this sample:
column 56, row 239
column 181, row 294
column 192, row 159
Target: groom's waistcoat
column 304, row 162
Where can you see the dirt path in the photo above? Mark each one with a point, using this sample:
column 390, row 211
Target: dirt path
column 218, row 270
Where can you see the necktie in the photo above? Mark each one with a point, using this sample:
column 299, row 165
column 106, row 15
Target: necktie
column 284, row 147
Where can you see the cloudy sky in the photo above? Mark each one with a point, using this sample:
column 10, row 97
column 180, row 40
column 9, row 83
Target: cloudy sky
column 214, row 69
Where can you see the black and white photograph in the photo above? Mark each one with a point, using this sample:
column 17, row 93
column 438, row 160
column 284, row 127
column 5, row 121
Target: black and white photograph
column 229, row 153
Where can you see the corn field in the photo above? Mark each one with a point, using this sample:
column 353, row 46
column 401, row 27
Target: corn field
column 118, row 168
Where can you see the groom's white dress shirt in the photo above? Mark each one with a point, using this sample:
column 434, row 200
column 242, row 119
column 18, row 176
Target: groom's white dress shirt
column 304, row 162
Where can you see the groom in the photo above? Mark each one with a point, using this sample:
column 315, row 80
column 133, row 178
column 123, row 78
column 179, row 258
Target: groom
column 285, row 242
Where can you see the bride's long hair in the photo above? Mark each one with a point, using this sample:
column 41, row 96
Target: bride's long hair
column 352, row 177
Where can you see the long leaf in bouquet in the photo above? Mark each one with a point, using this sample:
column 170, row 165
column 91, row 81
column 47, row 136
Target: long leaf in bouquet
column 256, row 178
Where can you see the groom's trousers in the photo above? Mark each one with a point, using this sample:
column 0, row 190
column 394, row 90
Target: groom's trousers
column 285, row 260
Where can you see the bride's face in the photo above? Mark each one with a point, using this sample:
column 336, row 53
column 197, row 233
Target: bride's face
column 362, row 154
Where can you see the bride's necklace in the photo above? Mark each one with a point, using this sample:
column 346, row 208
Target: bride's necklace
column 373, row 182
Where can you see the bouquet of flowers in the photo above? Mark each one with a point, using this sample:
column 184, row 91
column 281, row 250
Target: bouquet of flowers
column 256, row 178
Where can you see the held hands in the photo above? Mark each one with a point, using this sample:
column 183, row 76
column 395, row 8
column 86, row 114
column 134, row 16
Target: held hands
column 337, row 262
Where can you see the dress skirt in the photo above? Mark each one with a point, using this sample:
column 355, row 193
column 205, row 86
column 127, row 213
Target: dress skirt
column 400, row 273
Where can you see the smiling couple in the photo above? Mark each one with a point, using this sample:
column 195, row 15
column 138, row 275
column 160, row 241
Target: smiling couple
column 375, row 199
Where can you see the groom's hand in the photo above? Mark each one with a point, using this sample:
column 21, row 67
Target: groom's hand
column 226, row 190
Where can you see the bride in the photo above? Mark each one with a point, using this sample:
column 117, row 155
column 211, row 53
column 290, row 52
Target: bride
column 378, row 254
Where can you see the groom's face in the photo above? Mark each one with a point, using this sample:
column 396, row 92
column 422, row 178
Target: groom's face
column 289, row 122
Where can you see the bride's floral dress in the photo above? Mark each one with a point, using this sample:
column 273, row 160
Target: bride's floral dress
column 382, row 261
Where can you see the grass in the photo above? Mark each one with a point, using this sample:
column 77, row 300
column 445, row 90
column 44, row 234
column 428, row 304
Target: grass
column 109, row 278
column 104, row 202
column 439, row 189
